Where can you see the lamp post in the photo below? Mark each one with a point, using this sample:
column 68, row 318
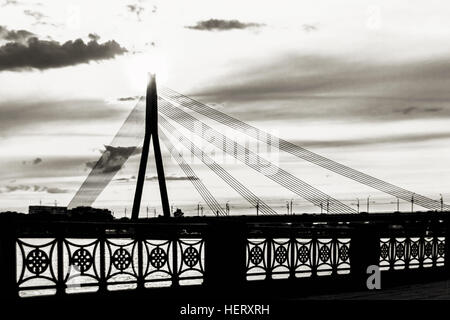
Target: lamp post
column 257, row 208
column 328, row 205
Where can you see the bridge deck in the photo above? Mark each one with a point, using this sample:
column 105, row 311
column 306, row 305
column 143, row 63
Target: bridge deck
column 436, row 290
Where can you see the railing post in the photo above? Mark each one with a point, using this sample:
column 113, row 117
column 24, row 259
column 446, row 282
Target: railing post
column 364, row 251
column 225, row 258
column 447, row 247
column 140, row 248
column 269, row 244
column 60, row 284
column 175, row 279
column 334, row 255
column 8, row 237
column 407, row 251
column 293, row 247
column 314, row 244
column 102, row 288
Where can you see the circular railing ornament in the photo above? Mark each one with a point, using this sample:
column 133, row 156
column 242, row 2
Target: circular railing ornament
column 281, row 255
column 190, row 256
column 384, row 251
column 400, row 250
column 441, row 249
column 343, row 253
column 414, row 250
column 121, row 259
column 37, row 261
column 256, row 255
column 428, row 249
column 303, row 254
column 324, row 253
column 82, row 260
column 158, row 258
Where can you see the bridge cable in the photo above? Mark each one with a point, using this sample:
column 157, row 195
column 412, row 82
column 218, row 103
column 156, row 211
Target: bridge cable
column 124, row 144
column 217, row 169
column 259, row 164
column 192, row 177
column 301, row 152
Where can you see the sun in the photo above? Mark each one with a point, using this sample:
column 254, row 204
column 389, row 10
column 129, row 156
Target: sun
column 137, row 66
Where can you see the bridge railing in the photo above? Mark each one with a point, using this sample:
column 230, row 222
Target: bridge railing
column 62, row 258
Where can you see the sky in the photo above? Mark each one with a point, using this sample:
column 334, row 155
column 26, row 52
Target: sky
column 364, row 83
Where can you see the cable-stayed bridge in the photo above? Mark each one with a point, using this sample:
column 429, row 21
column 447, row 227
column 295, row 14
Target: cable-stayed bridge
column 153, row 116
column 168, row 257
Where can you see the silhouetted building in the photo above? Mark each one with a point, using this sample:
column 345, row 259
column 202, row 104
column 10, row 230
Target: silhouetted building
column 90, row 214
column 47, row 210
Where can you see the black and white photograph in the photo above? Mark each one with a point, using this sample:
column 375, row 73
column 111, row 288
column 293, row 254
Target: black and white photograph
column 208, row 159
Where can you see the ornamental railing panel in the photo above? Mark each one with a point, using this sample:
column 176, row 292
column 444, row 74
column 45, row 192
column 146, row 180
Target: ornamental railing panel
column 46, row 265
column 282, row 258
column 412, row 252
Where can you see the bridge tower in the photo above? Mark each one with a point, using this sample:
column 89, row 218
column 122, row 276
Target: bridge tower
column 151, row 130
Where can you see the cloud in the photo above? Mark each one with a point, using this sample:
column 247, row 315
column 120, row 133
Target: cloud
column 10, row 3
column 326, row 87
column 15, row 35
column 155, row 178
column 19, row 3
column 19, row 116
column 221, row 25
column 36, row 15
column 136, row 9
column 113, row 158
column 380, row 140
column 31, row 188
column 32, row 162
column 172, row 178
column 93, row 37
column 309, row 27
column 40, row 54
column 128, row 98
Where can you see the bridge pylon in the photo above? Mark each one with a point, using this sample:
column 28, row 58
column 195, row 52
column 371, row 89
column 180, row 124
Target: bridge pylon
column 151, row 130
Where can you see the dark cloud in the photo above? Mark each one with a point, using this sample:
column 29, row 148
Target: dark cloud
column 15, row 35
column 19, row 3
column 36, row 15
column 309, row 27
column 20, row 116
column 123, row 179
column 113, row 158
column 40, row 54
column 136, row 9
column 322, row 87
column 10, row 3
column 380, row 140
column 32, row 162
column 155, row 178
column 93, row 37
column 128, row 98
column 31, row 188
column 221, row 25
column 171, row 178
